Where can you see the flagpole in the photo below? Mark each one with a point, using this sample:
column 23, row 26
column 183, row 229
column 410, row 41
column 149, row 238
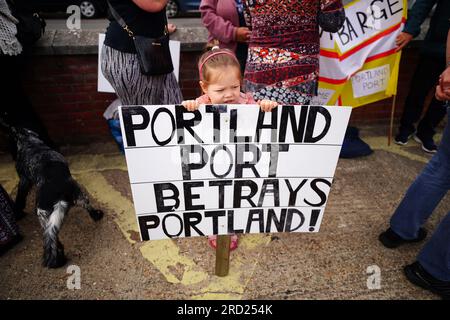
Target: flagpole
column 392, row 119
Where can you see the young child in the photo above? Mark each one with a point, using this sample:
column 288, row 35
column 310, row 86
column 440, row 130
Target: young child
column 220, row 80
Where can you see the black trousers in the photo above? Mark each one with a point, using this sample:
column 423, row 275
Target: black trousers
column 425, row 79
column 17, row 110
column 241, row 54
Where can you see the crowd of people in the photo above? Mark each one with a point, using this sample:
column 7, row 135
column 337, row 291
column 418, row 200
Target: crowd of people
column 267, row 52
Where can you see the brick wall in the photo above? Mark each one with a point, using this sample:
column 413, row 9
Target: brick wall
column 63, row 90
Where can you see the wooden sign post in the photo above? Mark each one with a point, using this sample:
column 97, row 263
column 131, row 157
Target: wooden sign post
column 223, row 255
column 391, row 124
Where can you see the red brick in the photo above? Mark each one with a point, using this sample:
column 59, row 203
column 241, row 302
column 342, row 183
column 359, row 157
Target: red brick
column 81, row 96
column 84, row 88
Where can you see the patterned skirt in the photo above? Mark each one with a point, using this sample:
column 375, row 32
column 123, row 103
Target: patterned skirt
column 286, row 73
column 283, row 57
column 121, row 69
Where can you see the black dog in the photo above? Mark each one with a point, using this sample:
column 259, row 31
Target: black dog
column 39, row 165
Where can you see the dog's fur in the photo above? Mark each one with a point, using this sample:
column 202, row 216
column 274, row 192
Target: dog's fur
column 56, row 190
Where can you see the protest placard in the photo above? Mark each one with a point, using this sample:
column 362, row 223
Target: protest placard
column 230, row 168
column 359, row 64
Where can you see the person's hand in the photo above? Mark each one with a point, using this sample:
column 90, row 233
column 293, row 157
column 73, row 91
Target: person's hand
column 444, row 80
column 243, row 34
column 267, row 105
column 402, row 40
column 443, row 89
column 441, row 95
column 190, row 105
column 171, row 28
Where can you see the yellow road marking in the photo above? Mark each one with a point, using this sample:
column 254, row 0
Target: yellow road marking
column 10, row 185
column 242, row 266
column 96, row 162
column 8, row 176
column 99, row 188
column 254, row 241
column 380, row 143
column 165, row 255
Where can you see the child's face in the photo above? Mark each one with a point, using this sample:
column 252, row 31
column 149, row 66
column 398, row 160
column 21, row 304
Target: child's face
column 225, row 87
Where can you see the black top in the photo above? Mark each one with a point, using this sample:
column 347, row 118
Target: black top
column 143, row 23
column 436, row 37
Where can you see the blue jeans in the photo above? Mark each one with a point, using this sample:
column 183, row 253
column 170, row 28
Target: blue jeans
column 418, row 204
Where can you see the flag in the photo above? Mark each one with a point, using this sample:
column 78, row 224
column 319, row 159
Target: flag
column 359, row 64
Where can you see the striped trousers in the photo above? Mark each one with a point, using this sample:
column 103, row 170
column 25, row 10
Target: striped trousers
column 121, row 69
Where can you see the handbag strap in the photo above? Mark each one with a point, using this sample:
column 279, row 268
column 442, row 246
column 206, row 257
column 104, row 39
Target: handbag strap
column 124, row 25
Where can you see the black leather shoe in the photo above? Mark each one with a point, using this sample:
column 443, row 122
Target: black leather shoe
column 391, row 240
column 417, row 275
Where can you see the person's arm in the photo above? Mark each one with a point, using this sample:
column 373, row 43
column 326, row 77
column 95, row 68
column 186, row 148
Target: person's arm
column 151, row 5
column 448, row 49
column 417, row 15
column 331, row 15
column 218, row 27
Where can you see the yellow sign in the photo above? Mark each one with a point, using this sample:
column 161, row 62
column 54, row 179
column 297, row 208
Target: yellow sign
column 359, row 64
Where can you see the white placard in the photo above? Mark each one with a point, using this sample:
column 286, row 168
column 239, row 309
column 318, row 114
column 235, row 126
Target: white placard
column 103, row 85
column 364, row 20
column 323, row 96
column 370, row 81
column 230, row 168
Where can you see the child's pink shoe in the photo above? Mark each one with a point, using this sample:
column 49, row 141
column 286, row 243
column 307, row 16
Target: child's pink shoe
column 212, row 240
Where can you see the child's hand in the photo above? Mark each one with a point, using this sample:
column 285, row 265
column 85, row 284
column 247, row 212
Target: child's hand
column 267, row 105
column 190, row 105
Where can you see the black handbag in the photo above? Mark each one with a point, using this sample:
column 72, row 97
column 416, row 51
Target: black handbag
column 153, row 53
column 9, row 231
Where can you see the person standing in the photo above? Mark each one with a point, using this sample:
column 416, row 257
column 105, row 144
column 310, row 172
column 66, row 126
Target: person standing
column 17, row 110
column 225, row 22
column 431, row 270
column 430, row 66
column 10, row 51
column 119, row 61
column 283, row 62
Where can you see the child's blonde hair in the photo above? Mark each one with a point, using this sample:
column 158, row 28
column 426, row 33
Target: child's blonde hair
column 217, row 58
